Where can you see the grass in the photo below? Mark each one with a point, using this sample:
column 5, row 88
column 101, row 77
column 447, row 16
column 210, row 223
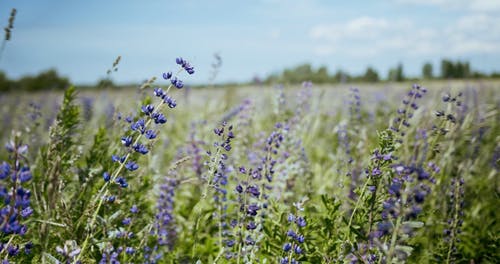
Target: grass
column 366, row 193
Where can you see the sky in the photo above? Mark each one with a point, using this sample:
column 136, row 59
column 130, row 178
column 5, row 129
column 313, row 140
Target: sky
column 254, row 38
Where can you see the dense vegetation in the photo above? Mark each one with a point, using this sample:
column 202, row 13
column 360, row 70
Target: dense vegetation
column 283, row 174
column 458, row 70
column 448, row 70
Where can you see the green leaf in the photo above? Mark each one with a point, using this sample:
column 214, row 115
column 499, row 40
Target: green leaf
column 414, row 224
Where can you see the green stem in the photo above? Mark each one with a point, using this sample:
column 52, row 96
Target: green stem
column 454, row 223
column 363, row 189
column 393, row 240
column 104, row 188
column 395, row 231
column 240, row 226
column 219, row 255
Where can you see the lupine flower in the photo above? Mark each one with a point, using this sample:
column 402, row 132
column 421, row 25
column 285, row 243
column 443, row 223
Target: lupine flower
column 167, row 75
column 218, row 180
column 189, row 69
column 456, row 216
column 164, row 224
column 127, row 141
column 291, row 248
column 131, row 166
column 159, row 118
column 147, row 109
column 16, row 198
column 404, row 114
column 111, row 255
column 69, row 252
column 140, row 148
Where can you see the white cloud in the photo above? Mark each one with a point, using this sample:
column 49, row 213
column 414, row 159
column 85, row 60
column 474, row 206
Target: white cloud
column 468, row 5
column 370, row 36
column 359, row 27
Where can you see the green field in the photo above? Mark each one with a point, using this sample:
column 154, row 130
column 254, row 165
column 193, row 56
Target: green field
column 299, row 173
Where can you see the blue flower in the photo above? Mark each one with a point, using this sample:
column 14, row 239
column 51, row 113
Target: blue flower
column 251, row 226
column 127, row 141
column 159, row 118
column 131, row 166
column 24, row 174
column 122, row 182
column 173, row 81
column 167, row 75
column 140, row 126
column 26, row 212
column 4, row 170
column 159, row 92
column 287, row 247
column 147, row 109
column 184, row 64
column 106, row 176
column 179, row 84
column 134, row 209
column 130, row 250
column 140, row 148
column 253, row 190
column 126, row 221
column 116, row 158
column 170, row 101
column 150, row 134
column 301, row 222
column 298, row 250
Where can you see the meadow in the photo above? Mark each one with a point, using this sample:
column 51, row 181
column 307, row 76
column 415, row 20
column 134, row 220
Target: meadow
column 368, row 173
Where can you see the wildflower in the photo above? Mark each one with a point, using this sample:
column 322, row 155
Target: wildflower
column 164, row 229
column 16, row 198
column 131, row 166
column 167, row 75
column 134, row 142
column 150, row 134
column 69, row 252
column 127, row 141
column 147, row 109
column 291, row 248
column 189, row 69
column 170, row 101
column 134, row 209
column 179, row 84
column 159, row 118
column 140, row 148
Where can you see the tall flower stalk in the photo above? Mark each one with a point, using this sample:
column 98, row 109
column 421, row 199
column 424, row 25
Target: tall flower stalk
column 16, row 200
column 132, row 141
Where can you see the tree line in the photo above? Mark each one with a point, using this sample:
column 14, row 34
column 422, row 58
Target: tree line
column 51, row 80
column 448, row 70
column 47, row 80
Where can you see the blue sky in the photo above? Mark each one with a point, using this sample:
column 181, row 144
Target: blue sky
column 81, row 39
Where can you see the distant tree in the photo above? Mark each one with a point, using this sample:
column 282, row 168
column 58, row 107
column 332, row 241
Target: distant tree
column 479, row 75
column 5, row 83
column 396, row 74
column 321, row 75
column 458, row 69
column 105, row 83
column 298, row 74
column 447, row 70
column 341, row 76
column 370, row 75
column 494, row 75
column 46, row 80
column 427, row 71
